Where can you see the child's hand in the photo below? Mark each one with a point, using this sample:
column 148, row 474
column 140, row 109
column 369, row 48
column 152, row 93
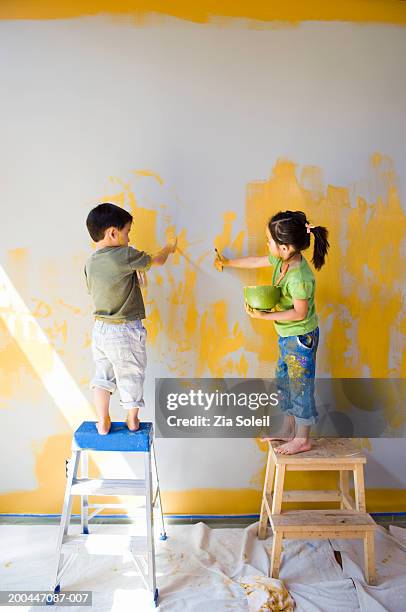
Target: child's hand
column 252, row 312
column 220, row 261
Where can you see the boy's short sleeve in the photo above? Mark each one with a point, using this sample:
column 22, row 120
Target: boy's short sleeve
column 87, row 283
column 301, row 290
column 273, row 260
column 138, row 260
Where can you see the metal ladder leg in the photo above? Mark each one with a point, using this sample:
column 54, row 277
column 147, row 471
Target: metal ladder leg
column 65, row 520
column 150, row 526
column 163, row 535
column 84, row 499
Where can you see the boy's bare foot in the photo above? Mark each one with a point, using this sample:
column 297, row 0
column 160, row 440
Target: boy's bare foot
column 297, row 445
column 132, row 420
column 103, row 425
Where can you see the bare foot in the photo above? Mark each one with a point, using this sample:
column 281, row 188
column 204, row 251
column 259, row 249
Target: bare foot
column 297, row 445
column 103, row 425
column 132, row 420
column 286, row 432
column 284, row 436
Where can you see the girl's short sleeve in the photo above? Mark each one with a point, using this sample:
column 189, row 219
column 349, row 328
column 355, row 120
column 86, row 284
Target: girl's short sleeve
column 301, row 290
column 273, row 260
column 138, row 260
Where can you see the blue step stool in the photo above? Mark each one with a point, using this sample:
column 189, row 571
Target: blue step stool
column 119, row 439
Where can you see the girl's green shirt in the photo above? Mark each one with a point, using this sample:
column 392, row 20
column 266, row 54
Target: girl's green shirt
column 298, row 283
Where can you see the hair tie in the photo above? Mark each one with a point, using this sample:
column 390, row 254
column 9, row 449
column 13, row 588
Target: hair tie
column 309, row 227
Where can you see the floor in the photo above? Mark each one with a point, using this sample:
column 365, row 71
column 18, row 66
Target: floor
column 201, row 566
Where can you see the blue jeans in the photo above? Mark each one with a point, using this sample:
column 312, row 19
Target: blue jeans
column 295, row 373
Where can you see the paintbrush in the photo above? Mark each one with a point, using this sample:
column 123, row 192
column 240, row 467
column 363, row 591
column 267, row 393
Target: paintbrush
column 219, row 261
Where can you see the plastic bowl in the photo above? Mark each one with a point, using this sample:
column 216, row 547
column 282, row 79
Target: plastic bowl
column 262, row 297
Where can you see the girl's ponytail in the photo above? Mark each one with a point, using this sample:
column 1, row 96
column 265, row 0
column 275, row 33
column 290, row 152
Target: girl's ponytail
column 321, row 245
column 292, row 227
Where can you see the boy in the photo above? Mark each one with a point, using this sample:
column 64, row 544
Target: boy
column 118, row 337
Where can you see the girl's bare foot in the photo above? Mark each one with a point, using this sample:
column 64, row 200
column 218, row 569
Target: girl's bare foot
column 286, row 433
column 284, row 436
column 103, row 425
column 132, row 420
column 297, row 445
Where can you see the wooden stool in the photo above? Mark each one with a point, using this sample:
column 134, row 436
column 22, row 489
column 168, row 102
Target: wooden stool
column 323, row 524
column 337, row 454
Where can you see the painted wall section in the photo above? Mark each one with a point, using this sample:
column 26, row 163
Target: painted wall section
column 206, row 145
column 290, row 11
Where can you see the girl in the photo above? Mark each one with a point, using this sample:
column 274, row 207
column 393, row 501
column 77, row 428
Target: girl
column 295, row 319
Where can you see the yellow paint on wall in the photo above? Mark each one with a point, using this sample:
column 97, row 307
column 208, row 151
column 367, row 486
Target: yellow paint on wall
column 289, row 11
column 195, row 337
column 18, row 380
column 47, row 496
column 217, row 356
column 235, row 245
column 149, row 173
column 365, row 261
column 248, row 500
column 50, row 468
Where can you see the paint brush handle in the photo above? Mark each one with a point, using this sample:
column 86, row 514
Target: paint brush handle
column 219, row 261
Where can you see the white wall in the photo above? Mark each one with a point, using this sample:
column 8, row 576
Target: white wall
column 209, row 109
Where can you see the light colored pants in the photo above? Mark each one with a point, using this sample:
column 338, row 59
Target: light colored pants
column 120, row 357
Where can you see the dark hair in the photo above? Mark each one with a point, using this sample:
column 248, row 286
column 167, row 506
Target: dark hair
column 104, row 216
column 289, row 227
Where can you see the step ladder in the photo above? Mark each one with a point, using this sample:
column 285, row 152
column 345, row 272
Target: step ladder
column 350, row 520
column 119, row 439
column 321, row 525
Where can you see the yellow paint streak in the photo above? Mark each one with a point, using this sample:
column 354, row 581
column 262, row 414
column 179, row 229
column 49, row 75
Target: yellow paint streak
column 143, row 231
column 289, row 11
column 216, row 355
column 248, row 500
column 49, row 468
column 224, row 240
column 149, row 173
column 182, row 246
column 18, row 379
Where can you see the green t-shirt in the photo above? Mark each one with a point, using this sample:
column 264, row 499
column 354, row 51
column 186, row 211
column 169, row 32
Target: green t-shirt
column 298, row 283
column 112, row 281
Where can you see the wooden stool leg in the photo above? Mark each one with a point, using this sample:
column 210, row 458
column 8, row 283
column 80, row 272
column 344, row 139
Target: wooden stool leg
column 344, row 487
column 359, row 488
column 268, row 484
column 369, row 556
column 278, row 489
column 276, row 554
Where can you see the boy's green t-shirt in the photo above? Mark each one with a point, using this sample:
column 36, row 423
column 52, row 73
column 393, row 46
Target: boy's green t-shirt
column 298, row 283
column 112, row 281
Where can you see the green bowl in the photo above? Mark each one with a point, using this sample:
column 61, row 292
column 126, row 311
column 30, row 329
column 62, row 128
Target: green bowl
column 262, row 297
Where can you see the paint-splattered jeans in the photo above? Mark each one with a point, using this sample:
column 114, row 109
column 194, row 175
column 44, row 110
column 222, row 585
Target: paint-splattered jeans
column 295, row 372
column 120, row 357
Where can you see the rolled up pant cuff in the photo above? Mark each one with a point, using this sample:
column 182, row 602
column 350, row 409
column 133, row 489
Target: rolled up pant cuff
column 129, row 405
column 310, row 421
column 103, row 384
